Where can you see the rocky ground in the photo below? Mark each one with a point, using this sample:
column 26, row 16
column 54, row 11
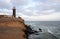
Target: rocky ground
column 12, row 28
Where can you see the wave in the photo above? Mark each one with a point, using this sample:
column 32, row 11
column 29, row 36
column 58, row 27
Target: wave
column 50, row 31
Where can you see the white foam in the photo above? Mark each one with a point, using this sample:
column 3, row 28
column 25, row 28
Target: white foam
column 50, row 31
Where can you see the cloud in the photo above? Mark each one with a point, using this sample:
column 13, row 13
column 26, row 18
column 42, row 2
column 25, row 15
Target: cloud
column 19, row 2
column 50, row 17
column 5, row 11
column 4, row 3
column 55, row 0
column 5, row 14
column 46, row 15
column 47, row 10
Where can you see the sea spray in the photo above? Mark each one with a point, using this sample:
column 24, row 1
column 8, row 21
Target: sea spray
column 50, row 31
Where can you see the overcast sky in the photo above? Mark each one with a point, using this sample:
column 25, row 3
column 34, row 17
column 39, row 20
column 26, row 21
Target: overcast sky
column 33, row 10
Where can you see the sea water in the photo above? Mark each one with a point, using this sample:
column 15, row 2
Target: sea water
column 50, row 29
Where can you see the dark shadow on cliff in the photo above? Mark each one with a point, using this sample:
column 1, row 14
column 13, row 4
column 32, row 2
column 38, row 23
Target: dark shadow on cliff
column 29, row 31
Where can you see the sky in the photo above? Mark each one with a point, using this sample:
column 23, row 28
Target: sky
column 32, row 10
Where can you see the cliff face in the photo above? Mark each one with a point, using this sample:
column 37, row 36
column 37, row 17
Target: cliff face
column 11, row 28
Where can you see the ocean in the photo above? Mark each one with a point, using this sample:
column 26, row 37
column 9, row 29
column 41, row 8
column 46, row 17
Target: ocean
column 50, row 29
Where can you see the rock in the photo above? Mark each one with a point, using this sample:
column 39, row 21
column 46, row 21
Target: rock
column 29, row 31
column 11, row 28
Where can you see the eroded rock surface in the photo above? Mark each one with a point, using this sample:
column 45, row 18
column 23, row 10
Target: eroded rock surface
column 11, row 28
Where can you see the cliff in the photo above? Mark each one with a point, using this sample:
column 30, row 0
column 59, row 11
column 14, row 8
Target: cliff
column 11, row 27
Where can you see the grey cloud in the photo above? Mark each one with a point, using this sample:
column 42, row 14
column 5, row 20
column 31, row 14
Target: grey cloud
column 47, row 4
column 5, row 4
column 33, row 8
column 19, row 2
